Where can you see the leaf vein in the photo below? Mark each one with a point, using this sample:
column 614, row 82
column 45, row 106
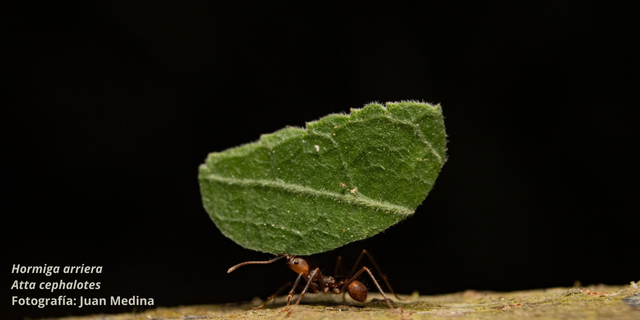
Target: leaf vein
column 359, row 200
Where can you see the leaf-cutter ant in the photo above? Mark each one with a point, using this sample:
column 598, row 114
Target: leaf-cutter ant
column 318, row 282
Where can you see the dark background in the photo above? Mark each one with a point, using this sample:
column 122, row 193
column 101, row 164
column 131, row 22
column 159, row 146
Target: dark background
column 112, row 106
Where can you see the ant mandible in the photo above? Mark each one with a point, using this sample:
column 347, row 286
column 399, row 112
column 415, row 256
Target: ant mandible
column 317, row 282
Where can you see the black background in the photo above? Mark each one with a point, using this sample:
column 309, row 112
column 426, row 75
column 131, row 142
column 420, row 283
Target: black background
column 112, row 107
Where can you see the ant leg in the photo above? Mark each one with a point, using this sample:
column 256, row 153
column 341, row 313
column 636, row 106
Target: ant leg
column 271, row 297
column 293, row 290
column 377, row 285
column 313, row 274
column 339, row 274
column 375, row 265
column 339, row 270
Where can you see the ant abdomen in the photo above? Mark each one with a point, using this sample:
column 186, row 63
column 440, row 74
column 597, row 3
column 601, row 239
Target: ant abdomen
column 357, row 291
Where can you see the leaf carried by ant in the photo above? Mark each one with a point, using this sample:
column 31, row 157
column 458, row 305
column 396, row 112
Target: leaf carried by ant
column 344, row 178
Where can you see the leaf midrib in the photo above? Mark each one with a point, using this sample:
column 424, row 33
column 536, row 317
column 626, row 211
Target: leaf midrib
column 359, row 199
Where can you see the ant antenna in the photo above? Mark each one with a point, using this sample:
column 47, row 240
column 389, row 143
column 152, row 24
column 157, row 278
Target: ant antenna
column 254, row 262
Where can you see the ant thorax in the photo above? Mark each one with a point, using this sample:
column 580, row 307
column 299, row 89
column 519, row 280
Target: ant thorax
column 328, row 283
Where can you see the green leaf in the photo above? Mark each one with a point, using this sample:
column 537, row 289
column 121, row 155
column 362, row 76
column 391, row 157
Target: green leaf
column 345, row 178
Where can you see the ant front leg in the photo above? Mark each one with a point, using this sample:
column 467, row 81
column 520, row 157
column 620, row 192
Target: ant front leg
column 293, row 290
column 309, row 282
column 375, row 265
column 271, row 297
column 350, row 281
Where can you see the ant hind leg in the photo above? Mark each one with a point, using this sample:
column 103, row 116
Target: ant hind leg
column 375, row 265
column 377, row 286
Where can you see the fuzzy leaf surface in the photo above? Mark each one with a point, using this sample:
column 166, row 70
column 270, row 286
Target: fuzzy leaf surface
column 344, row 178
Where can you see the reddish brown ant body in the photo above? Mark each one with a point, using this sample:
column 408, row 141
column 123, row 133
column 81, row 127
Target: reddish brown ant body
column 318, row 282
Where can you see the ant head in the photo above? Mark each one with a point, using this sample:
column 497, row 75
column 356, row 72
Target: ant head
column 298, row 265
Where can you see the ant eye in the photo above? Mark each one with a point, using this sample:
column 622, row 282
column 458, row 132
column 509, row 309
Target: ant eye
column 296, row 262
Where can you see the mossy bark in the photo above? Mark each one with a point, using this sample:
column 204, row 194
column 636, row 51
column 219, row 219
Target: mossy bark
column 595, row 302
